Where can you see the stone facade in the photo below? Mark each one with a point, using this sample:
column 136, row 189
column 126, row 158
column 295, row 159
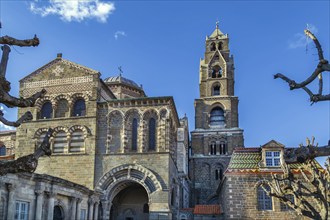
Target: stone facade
column 130, row 149
column 7, row 144
column 216, row 120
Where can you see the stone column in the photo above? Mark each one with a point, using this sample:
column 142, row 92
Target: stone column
column 40, row 198
column 90, row 208
column 96, row 210
column 105, row 204
column 74, row 208
column 51, row 202
column 78, row 208
column 11, row 202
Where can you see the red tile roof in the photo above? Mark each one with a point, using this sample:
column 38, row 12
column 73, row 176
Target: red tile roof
column 8, row 157
column 207, row 210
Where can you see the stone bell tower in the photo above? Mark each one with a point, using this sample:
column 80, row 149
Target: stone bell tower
column 216, row 119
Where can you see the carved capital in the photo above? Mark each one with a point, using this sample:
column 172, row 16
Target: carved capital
column 39, row 192
column 10, row 187
column 51, row 194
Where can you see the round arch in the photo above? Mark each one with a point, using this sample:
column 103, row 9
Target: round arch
column 129, row 172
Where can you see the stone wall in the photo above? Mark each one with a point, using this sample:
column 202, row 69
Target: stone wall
column 203, row 177
column 239, row 199
column 8, row 139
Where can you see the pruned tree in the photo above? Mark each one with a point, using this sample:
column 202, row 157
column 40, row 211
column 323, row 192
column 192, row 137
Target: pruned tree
column 26, row 163
column 322, row 66
column 306, row 190
column 309, row 152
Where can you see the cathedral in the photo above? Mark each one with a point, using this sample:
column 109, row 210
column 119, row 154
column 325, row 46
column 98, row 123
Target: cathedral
column 118, row 154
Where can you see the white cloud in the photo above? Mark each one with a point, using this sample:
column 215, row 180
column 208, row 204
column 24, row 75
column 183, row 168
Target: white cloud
column 3, row 126
column 300, row 39
column 74, row 10
column 119, row 33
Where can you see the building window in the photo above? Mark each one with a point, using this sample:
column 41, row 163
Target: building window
column 22, row 210
column 272, row 158
column 58, row 213
column 217, row 117
column 216, row 72
column 218, row 174
column 264, row 201
column 223, row 149
column 3, row 150
column 79, row 108
column 213, row 48
column 77, row 141
column 220, row 46
column 285, row 207
column 41, row 139
column 152, row 134
column 134, row 134
column 213, row 148
column 46, row 110
column 59, row 142
column 62, row 108
column 82, row 214
column 216, row 90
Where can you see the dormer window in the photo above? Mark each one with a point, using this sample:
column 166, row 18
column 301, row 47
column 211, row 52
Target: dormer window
column 273, row 158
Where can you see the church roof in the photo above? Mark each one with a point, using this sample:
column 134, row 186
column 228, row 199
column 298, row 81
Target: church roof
column 207, row 210
column 121, row 79
column 247, row 160
column 217, row 32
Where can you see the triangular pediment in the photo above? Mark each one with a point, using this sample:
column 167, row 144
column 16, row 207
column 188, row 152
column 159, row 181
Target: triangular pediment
column 272, row 144
column 58, row 69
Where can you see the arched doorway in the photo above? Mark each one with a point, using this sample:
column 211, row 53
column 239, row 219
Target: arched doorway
column 130, row 203
column 58, row 213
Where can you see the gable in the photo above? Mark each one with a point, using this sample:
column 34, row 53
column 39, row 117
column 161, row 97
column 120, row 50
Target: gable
column 58, row 69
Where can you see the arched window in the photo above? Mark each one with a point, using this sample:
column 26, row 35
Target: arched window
column 223, row 149
column 217, row 117
column 58, row 213
column 218, row 174
column 3, row 150
column 41, row 139
column 220, row 46
column 77, row 141
column 60, row 141
column 152, row 134
column 46, row 110
column 213, row 148
column 216, row 90
column 213, row 48
column 264, row 201
column 134, row 134
column 79, row 108
column 62, row 108
column 216, row 72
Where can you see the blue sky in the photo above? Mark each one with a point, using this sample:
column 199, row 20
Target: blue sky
column 159, row 44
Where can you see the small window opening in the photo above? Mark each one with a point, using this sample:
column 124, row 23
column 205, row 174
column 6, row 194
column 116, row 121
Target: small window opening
column 46, row 111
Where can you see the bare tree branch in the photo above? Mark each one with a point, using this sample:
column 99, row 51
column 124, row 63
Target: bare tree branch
column 27, row 163
column 322, row 66
column 26, row 117
column 22, row 43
